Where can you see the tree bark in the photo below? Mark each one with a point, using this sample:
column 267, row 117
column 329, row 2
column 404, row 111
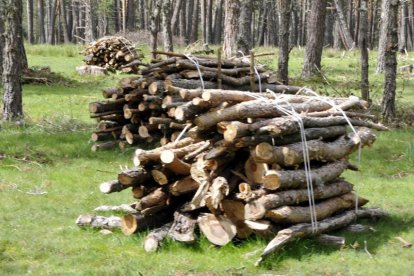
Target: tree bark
column 232, row 13
column 89, row 37
column 390, row 62
column 131, row 15
column 12, row 60
column 175, row 16
column 314, row 42
column 155, row 20
column 402, row 43
column 244, row 40
column 218, row 22
column 41, row 21
column 363, row 45
column 346, row 36
column 30, row 33
column 166, row 26
column 382, row 43
column 283, row 62
column 194, row 22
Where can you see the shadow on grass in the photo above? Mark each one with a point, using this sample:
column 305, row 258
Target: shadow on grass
column 386, row 229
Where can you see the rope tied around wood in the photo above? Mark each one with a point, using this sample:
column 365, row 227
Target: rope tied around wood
column 197, row 64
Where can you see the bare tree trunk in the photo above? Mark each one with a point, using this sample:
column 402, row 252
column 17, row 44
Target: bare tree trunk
column 402, row 43
column 52, row 22
column 385, row 13
column 75, row 21
column 284, row 18
column 194, row 22
column 304, row 20
column 12, row 65
column 188, row 20
column 155, row 22
column 203, row 19
column 166, row 26
column 346, row 36
column 390, row 61
column 329, row 29
column 314, row 42
column 209, row 21
column 244, row 40
column 357, row 21
column 175, row 16
column 142, row 21
column 363, row 45
column 1, row 41
column 232, row 12
column 30, row 33
column 294, row 27
column 262, row 24
column 124, row 14
column 116, row 16
column 218, row 22
column 62, row 13
column 41, row 21
column 131, row 15
column 182, row 27
column 88, row 21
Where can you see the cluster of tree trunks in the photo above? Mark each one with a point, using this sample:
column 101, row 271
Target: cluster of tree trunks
column 244, row 163
column 113, row 53
column 152, row 108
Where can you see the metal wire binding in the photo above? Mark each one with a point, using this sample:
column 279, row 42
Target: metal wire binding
column 195, row 61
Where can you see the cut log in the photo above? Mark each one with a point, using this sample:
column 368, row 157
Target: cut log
column 112, row 186
column 134, row 177
column 234, row 210
column 161, row 176
column 290, row 155
column 296, row 179
column 155, row 198
column 104, row 146
column 257, row 209
column 100, row 107
column 183, row 227
column 219, row 230
column 172, row 162
column 98, row 221
column 133, row 223
column 306, row 230
column 183, row 186
column 155, row 238
column 324, row 209
column 331, row 240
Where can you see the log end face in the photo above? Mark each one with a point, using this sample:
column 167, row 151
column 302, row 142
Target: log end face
column 264, row 151
column 271, row 180
column 129, row 225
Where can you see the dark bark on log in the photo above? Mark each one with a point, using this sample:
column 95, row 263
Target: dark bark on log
column 257, row 209
column 183, row 227
column 318, row 150
column 134, row 177
column 324, row 209
column 155, row 238
column 133, row 223
column 112, row 186
column 306, row 230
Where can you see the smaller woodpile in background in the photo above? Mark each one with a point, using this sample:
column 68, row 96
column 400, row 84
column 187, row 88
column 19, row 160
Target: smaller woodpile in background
column 113, row 53
column 152, row 109
column 240, row 164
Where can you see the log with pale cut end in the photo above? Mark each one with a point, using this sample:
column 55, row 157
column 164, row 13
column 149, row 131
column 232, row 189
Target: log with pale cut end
column 155, row 198
column 306, row 230
column 183, row 186
column 162, row 176
column 172, row 162
column 296, row 179
column 155, row 238
column 219, row 230
column 256, row 209
column 290, row 155
column 98, row 221
column 143, row 157
column 104, row 146
column 183, row 227
column 106, row 106
column 234, row 210
column 133, row 223
column 112, row 186
column 133, row 177
column 324, row 209
column 255, row 171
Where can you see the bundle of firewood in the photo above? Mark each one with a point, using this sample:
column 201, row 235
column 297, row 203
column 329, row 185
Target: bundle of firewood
column 113, row 53
column 152, row 108
column 247, row 163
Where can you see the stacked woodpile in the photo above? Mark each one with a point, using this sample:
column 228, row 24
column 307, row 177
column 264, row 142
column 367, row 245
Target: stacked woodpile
column 152, row 108
column 244, row 163
column 113, row 53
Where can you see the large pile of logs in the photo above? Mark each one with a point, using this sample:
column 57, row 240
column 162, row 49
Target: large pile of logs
column 159, row 105
column 113, row 53
column 248, row 163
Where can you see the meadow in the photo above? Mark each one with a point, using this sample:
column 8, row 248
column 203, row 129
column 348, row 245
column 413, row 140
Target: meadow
column 48, row 176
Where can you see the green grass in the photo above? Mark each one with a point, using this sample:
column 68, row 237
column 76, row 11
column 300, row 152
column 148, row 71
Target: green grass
column 51, row 153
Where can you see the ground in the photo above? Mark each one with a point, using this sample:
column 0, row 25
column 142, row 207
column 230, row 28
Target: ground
column 48, row 176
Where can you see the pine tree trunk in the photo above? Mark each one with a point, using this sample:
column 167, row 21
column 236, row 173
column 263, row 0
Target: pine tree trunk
column 116, row 16
column 189, row 27
column 52, row 21
column 203, row 19
column 284, row 18
column 385, row 14
column 314, row 42
column 30, row 33
column 1, row 41
column 243, row 41
column 346, row 37
column 176, row 16
column 12, row 70
column 155, row 20
column 232, row 12
column 166, row 26
column 329, row 29
column 262, row 24
column 194, row 22
column 88, row 21
column 363, row 45
column 41, row 21
column 218, row 22
column 62, row 13
column 142, row 21
column 209, row 21
column 294, row 27
column 131, row 15
column 402, row 43
column 182, row 27
column 390, row 62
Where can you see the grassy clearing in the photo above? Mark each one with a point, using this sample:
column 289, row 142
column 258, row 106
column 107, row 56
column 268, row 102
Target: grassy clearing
column 51, row 154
